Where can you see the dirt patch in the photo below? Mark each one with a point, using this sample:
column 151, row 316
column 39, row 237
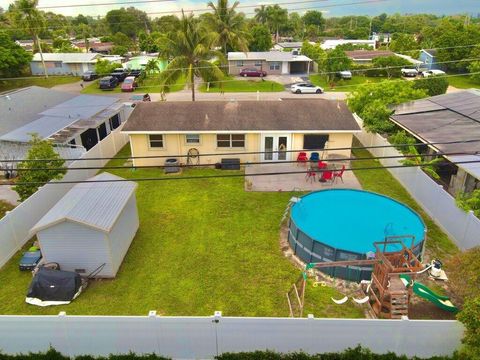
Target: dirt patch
column 420, row 309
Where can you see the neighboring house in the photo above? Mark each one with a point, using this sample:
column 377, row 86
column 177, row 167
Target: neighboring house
column 367, row 56
column 330, row 44
column 289, row 46
column 428, row 57
column 64, row 63
column 25, row 44
column 91, row 225
column 273, row 62
column 381, row 38
column 74, row 123
column 101, row 48
column 276, row 129
column 449, row 118
column 139, row 62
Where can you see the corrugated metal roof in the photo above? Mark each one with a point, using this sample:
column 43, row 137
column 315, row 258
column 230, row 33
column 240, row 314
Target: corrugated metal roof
column 96, row 204
column 82, row 106
column 267, row 56
column 473, row 168
column 68, row 57
column 44, row 127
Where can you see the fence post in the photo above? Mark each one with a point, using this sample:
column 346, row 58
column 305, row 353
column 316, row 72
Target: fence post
column 217, row 315
column 470, row 215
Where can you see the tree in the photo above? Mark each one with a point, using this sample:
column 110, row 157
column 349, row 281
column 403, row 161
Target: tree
column 427, row 165
column 296, row 25
column 84, row 31
column 13, row 58
column 128, row 21
column 105, row 67
column 229, row 26
column 404, row 43
column 276, row 17
column 190, row 48
column 120, row 39
column 372, row 103
column 470, row 318
column 433, row 85
column 39, row 150
column 469, row 202
column 474, row 69
column 166, row 24
column 261, row 38
column 389, row 66
column 32, row 21
column 337, row 61
column 314, row 52
column 261, row 14
column 315, row 18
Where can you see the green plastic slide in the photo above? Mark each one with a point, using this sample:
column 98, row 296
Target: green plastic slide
column 443, row 302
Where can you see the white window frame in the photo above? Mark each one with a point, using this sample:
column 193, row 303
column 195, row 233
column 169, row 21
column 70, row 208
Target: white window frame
column 190, row 142
column 275, row 65
column 156, row 147
column 239, row 63
column 231, row 140
column 258, row 63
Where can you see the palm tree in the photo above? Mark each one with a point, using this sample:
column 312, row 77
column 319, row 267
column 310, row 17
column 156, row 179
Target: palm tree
column 191, row 54
column 229, row 26
column 415, row 159
column 276, row 17
column 261, row 14
column 32, row 21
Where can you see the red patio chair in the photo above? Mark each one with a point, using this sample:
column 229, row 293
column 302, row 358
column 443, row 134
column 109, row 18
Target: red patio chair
column 339, row 174
column 322, row 165
column 327, row 176
column 302, row 158
column 311, row 173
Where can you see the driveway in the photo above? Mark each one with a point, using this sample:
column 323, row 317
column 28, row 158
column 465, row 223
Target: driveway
column 282, row 79
column 186, row 96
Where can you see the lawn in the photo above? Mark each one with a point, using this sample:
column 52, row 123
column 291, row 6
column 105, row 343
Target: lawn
column 4, row 207
column 231, row 84
column 438, row 243
column 203, row 245
column 38, row 81
column 343, row 85
column 463, row 82
column 150, row 85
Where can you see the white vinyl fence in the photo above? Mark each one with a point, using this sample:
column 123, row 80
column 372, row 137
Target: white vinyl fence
column 15, row 226
column 206, row 337
column 462, row 227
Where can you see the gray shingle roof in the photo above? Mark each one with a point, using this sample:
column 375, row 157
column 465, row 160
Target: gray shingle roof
column 68, row 57
column 96, row 205
column 204, row 116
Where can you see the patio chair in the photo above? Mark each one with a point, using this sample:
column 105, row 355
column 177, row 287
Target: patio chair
column 310, row 175
column 302, row 158
column 314, row 157
column 326, row 177
column 339, row 174
column 322, row 165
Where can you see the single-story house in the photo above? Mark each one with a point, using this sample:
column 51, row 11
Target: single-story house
column 64, row 63
column 251, row 131
column 273, row 62
column 330, row 44
column 428, row 57
column 289, row 46
column 91, row 225
column 74, row 123
column 367, row 56
column 139, row 62
column 441, row 122
column 381, row 38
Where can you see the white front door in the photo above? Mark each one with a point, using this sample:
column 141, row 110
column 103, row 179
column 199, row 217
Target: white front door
column 275, row 147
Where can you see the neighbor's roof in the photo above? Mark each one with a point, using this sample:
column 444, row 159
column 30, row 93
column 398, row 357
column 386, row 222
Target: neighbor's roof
column 267, row 56
column 290, row 44
column 242, row 116
column 49, row 120
column 431, row 52
column 333, row 43
column 22, row 106
column 444, row 118
column 68, row 57
column 95, row 204
column 471, row 163
column 368, row 54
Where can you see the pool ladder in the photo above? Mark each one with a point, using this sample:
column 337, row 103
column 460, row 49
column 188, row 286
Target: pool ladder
column 293, row 200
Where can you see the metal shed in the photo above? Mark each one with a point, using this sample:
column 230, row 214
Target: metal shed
column 93, row 224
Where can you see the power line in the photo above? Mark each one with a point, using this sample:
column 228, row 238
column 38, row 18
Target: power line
column 102, row 4
column 247, row 152
column 167, row 178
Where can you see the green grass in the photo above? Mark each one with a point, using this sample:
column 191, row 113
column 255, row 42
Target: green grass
column 463, row 82
column 4, row 207
column 38, row 81
column 150, row 85
column 343, row 85
column 438, row 243
column 232, row 85
column 203, row 245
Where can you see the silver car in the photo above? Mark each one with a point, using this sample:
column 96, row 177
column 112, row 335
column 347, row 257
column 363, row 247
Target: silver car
column 305, row 88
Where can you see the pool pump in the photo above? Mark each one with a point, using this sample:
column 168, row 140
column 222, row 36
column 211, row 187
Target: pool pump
column 436, row 269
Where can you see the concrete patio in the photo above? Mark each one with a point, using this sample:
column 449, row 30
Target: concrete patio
column 292, row 182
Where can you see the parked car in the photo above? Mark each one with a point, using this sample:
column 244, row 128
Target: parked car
column 129, row 84
column 108, row 83
column 409, row 72
column 346, row 74
column 305, row 88
column 30, row 259
column 136, row 72
column 253, row 73
column 120, row 74
column 433, row 73
column 89, row 76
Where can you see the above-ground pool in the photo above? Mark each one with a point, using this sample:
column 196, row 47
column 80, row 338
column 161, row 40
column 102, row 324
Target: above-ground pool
column 343, row 224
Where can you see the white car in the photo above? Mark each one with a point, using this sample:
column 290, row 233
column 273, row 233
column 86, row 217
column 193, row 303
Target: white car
column 432, row 73
column 346, row 74
column 305, row 88
column 409, row 72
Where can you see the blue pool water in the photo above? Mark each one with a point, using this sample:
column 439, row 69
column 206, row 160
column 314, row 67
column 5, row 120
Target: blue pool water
column 352, row 220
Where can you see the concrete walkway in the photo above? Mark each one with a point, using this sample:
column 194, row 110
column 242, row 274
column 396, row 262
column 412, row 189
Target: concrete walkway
column 8, row 195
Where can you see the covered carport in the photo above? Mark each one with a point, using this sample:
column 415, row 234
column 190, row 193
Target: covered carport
column 300, row 66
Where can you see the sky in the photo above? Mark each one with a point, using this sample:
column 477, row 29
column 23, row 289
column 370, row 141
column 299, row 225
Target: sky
column 329, row 7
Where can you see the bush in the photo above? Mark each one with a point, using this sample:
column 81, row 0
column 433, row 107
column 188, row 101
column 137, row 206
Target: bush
column 399, row 138
column 391, row 66
column 464, row 273
column 470, row 317
column 469, row 202
column 434, row 85
column 105, row 67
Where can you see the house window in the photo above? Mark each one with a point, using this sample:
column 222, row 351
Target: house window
column 57, row 64
column 239, row 63
column 258, row 63
column 156, row 141
column 314, row 142
column 192, row 138
column 231, row 140
column 275, row 65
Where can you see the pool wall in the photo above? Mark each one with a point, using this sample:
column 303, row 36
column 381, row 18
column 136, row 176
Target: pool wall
column 310, row 250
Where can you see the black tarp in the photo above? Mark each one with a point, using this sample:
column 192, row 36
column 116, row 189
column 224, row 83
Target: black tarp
column 54, row 285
